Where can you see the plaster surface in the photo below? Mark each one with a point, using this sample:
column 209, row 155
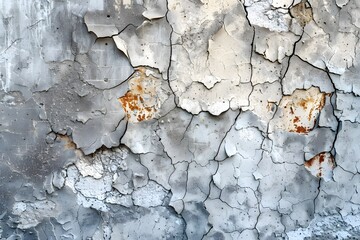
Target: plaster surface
column 179, row 119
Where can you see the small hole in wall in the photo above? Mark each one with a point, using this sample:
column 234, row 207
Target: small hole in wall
column 106, row 44
column 108, row 16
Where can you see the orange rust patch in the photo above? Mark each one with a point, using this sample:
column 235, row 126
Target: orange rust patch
column 321, row 165
column 301, row 129
column 131, row 101
column 140, row 102
column 300, row 111
column 311, row 161
column 134, row 104
column 139, row 88
column 304, row 103
column 296, row 119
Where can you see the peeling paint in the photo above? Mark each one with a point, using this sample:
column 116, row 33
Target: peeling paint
column 145, row 96
column 321, row 165
column 179, row 119
column 299, row 112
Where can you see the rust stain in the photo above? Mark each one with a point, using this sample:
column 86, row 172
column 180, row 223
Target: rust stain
column 302, row 12
column 139, row 88
column 320, row 165
column 321, row 158
column 311, row 161
column 318, row 107
column 296, row 119
column 69, row 144
column 301, row 129
column 301, row 110
column 140, row 101
column 131, row 101
column 304, row 102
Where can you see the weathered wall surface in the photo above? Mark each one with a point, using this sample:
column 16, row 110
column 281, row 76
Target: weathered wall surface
column 179, row 119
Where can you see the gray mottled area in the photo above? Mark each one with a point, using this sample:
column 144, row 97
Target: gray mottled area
column 179, row 119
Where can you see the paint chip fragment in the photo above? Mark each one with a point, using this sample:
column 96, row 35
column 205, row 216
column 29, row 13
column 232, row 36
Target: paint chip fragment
column 321, row 166
column 302, row 12
column 104, row 29
column 300, row 111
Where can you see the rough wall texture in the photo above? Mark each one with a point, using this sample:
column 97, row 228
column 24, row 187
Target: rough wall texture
column 179, row 119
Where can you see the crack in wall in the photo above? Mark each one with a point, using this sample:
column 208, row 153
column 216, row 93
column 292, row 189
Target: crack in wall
column 179, row 119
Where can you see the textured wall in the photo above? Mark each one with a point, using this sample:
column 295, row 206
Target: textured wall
column 179, row 119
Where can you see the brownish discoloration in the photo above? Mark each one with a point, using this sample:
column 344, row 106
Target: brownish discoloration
column 301, row 129
column 302, row 12
column 131, row 101
column 317, row 107
column 140, row 102
column 311, row 162
column 134, row 104
column 296, row 119
column 310, row 103
column 321, row 165
column 300, row 111
column 304, row 102
column 139, row 88
column 69, row 144
column 291, row 110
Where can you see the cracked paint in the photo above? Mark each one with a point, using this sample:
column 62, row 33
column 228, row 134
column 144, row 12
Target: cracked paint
column 321, row 166
column 299, row 112
column 145, row 97
column 302, row 13
column 179, row 119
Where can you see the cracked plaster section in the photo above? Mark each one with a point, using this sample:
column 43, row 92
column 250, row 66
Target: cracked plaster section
column 179, row 119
